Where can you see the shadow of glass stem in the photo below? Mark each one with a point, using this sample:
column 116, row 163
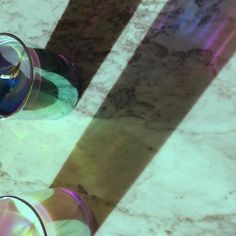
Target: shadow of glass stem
column 59, row 89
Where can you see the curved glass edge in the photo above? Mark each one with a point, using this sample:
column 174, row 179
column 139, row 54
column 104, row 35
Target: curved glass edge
column 36, row 81
column 27, row 211
column 31, row 73
column 88, row 215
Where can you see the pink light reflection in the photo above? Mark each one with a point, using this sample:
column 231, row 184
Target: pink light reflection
column 222, row 47
column 215, row 35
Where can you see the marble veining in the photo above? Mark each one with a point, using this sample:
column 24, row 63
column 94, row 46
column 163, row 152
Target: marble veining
column 158, row 157
column 33, row 22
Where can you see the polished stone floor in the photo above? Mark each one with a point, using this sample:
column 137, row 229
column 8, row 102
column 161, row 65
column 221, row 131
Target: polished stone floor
column 151, row 142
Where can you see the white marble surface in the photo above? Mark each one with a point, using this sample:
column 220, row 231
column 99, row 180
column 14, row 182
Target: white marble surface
column 32, row 21
column 187, row 186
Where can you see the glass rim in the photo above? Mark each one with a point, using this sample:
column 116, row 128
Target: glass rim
column 27, row 204
column 31, row 73
column 85, row 209
column 74, row 195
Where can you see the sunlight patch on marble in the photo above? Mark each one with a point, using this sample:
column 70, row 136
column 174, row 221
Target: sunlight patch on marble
column 32, row 21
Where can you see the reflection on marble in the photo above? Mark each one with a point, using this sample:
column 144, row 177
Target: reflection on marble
column 158, row 158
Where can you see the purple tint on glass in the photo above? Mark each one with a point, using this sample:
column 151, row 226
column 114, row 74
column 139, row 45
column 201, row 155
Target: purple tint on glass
column 222, row 47
column 83, row 206
column 214, row 36
column 16, row 74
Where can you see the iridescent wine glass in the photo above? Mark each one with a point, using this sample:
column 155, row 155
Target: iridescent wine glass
column 32, row 78
column 50, row 212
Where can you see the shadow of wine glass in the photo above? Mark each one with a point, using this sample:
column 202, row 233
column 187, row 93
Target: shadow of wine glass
column 158, row 88
column 87, row 31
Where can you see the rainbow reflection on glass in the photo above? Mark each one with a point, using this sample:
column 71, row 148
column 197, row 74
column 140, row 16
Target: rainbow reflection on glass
column 17, row 77
column 37, row 80
column 51, row 212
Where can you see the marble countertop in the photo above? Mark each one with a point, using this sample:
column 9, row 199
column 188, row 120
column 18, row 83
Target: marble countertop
column 151, row 142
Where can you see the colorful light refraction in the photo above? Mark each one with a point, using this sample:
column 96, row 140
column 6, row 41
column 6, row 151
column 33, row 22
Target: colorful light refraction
column 15, row 75
column 51, row 212
column 17, row 218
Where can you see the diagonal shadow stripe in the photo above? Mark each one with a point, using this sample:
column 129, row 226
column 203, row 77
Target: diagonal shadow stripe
column 171, row 69
column 87, row 31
